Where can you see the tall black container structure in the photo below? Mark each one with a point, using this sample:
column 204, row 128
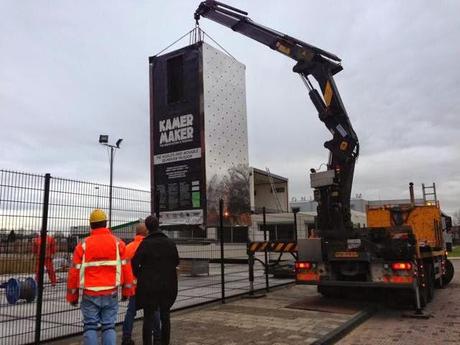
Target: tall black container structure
column 199, row 142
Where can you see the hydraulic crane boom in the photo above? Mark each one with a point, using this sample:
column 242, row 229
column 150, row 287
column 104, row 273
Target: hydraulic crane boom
column 332, row 187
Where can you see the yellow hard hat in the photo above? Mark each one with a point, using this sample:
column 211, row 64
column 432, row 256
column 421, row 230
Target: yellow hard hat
column 97, row 216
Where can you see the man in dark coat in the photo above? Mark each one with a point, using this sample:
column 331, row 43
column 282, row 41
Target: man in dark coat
column 155, row 266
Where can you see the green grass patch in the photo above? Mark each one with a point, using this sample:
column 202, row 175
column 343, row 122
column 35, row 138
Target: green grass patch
column 455, row 252
column 17, row 263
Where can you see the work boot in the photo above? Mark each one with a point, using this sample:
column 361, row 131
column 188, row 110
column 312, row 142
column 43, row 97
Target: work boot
column 127, row 341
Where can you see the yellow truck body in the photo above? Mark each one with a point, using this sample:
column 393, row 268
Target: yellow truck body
column 425, row 221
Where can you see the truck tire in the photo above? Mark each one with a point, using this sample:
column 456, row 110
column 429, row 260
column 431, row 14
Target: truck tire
column 446, row 278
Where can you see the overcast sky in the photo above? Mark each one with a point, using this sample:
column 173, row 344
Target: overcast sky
column 71, row 70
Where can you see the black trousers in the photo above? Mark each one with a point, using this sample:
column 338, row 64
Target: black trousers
column 147, row 326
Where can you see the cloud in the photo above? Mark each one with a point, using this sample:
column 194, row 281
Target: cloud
column 70, row 72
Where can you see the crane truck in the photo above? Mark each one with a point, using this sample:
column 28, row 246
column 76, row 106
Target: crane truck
column 403, row 247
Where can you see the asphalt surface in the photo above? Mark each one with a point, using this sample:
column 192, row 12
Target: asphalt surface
column 393, row 327
column 268, row 320
column 17, row 322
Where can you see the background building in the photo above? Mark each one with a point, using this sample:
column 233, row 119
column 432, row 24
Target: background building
column 357, row 205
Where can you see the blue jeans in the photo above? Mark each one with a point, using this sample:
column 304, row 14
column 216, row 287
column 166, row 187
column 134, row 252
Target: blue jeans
column 99, row 310
column 130, row 316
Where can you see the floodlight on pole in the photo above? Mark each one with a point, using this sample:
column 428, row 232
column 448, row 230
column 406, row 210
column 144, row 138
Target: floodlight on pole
column 104, row 140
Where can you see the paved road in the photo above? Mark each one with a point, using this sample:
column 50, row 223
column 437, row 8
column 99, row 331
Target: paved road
column 263, row 321
column 60, row 319
column 267, row 321
column 389, row 327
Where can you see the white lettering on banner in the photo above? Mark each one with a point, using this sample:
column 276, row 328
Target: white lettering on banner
column 177, row 130
column 177, row 156
column 177, row 171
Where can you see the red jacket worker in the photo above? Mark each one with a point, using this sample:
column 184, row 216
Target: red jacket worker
column 49, row 254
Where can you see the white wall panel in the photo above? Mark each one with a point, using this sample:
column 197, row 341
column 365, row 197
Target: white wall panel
column 226, row 135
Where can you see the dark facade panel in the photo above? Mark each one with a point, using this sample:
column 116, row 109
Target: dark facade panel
column 177, row 148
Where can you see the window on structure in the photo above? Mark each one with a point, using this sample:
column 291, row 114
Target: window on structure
column 227, row 234
column 280, row 232
column 278, row 190
column 237, row 234
column 240, row 234
column 285, row 232
column 199, row 233
column 271, row 229
column 175, row 79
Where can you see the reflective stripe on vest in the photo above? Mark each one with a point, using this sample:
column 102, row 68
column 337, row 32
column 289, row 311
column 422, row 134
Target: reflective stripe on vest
column 117, row 263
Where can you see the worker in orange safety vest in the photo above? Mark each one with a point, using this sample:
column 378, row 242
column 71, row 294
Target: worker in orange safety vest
column 99, row 268
column 49, row 254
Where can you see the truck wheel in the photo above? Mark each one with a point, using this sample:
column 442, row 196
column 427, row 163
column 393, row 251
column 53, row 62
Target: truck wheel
column 446, row 278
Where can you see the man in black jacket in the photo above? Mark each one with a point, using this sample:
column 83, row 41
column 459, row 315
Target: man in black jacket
column 155, row 266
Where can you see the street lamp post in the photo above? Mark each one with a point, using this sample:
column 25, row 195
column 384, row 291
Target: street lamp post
column 104, row 140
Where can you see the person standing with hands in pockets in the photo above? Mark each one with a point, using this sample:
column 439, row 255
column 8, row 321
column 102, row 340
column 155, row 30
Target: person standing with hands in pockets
column 131, row 248
column 155, row 267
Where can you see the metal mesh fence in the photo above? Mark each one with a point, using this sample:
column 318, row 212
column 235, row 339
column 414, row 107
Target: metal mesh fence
column 21, row 198
column 208, row 271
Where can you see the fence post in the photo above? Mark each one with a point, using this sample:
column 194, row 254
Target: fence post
column 295, row 210
column 251, row 273
column 222, row 266
column 41, row 260
column 264, row 215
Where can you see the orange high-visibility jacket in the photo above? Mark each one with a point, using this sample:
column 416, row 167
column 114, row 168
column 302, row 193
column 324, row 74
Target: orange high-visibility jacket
column 131, row 250
column 50, row 246
column 99, row 266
